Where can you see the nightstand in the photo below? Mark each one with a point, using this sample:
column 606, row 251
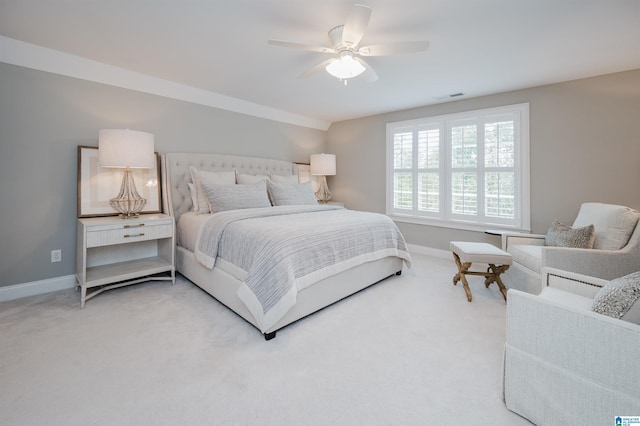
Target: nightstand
column 112, row 252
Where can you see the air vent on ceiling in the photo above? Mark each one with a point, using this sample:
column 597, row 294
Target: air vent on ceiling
column 452, row 95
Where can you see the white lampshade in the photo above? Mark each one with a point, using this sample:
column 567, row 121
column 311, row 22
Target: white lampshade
column 345, row 67
column 125, row 148
column 323, row 164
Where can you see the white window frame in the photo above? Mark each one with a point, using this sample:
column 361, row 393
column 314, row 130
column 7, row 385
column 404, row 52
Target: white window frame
column 445, row 217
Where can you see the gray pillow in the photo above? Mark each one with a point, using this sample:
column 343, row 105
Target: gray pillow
column 620, row 298
column 560, row 235
column 198, row 177
column 288, row 194
column 233, row 197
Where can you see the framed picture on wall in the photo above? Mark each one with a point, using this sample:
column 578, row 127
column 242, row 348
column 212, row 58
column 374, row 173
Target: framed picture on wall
column 97, row 185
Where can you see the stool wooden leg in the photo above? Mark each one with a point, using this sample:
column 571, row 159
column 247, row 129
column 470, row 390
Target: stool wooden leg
column 489, row 277
column 465, row 284
column 456, row 277
column 460, row 276
column 497, row 270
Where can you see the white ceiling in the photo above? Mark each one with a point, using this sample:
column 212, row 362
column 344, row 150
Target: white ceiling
column 477, row 47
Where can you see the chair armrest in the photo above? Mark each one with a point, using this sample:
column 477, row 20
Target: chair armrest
column 512, row 239
column 583, row 285
column 595, row 347
column 605, row 264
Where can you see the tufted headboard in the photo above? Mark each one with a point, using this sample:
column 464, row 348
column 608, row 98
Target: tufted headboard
column 175, row 174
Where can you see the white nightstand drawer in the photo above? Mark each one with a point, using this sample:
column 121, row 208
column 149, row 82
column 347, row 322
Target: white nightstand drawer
column 122, row 235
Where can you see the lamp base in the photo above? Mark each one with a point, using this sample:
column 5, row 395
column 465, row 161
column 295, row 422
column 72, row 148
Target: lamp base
column 323, row 194
column 128, row 202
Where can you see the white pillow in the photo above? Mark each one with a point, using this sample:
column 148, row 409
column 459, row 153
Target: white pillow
column 244, row 179
column 233, row 197
column 212, row 178
column 613, row 224
column 288, row 194
column 284, row 179
column 194, row 196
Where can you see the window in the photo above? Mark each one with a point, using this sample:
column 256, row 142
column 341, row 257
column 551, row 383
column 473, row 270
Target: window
column 468, row 170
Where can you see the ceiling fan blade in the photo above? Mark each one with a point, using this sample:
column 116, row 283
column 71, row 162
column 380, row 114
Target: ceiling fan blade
column 356, row 25
column 369, row 74
column 394, row 48
column 322, row 65
column 308, row 47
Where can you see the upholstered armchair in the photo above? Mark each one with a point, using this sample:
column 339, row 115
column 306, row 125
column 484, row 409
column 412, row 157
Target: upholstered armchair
column 615, row 252
column 565, row 364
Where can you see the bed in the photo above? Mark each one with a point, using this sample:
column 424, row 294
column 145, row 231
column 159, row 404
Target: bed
column 206, row 243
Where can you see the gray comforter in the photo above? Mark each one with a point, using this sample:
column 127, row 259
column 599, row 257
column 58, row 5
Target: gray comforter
column 277, row 251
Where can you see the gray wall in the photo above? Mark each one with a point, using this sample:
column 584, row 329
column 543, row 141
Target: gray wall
column 585, row 146
column 44, row 117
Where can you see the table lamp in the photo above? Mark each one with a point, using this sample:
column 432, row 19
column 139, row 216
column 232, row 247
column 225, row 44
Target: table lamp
column 323, row 165
column 126, row 149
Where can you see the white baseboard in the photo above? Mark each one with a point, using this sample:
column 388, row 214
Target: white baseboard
column 33, row 288
column 429, row 251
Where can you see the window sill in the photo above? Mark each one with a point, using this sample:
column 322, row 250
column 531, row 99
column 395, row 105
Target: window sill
column 456, row 224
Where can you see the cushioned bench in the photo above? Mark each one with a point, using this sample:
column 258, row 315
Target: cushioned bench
column 466, row 253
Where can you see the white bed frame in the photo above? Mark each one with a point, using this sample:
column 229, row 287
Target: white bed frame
column 223, row 286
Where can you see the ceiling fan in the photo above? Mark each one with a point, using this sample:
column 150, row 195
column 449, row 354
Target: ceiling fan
column 347, row 61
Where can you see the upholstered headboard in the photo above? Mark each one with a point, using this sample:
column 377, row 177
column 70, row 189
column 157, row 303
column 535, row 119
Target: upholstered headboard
column 175, row 174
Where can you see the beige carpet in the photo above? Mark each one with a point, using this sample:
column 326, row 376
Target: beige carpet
column 408, row 351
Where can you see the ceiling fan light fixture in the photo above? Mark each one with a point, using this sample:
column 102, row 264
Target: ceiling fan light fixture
column 345, row 67
column 345, row 43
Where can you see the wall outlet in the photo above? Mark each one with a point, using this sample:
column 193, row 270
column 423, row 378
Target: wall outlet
column 56, row 255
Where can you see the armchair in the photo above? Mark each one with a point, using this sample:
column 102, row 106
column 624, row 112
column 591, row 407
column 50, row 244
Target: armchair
column 615, row 253
column 564, row 363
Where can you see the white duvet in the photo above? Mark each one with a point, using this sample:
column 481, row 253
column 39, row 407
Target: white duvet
column 278, row 251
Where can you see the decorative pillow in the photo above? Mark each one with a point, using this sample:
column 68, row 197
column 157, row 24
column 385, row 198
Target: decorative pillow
column 284, row 179
column 620, row 298
column 288, row 194
column 560, row 235
column 233, row 197
column 194, row 196
column 614, row 224
column 244, row 179
column 198, row 177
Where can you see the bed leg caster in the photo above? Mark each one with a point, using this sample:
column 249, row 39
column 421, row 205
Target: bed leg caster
column 269, row 336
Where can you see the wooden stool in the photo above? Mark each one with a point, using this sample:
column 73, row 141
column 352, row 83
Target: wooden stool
column 465, row 253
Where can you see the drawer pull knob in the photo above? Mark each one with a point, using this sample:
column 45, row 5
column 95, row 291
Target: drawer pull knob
column 133, row 226
column 139, row 235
